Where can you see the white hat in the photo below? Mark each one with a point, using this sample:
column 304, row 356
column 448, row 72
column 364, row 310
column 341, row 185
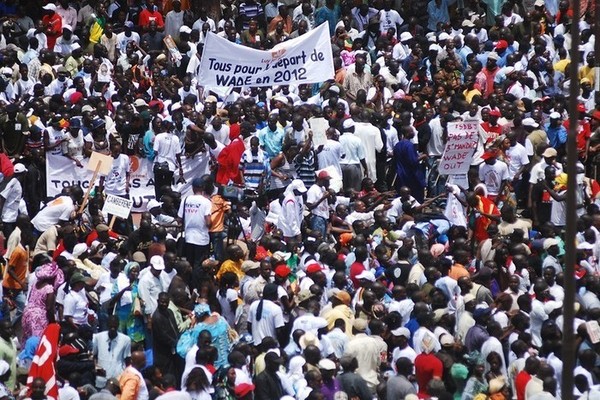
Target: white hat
column 309, row 339
column 327, row 364
column 446, row 340
column 467, row 23
column 298, row 185
column 19, row 169
column 348, row 123
column 50, row 7
column 530, row 122
column 585, row 246
column 367, row 275
column 67, row 27
column 549, row 243
column 509, row 70
column 539, row 3
column 402, row 331
column 185, row 29
column 87, row 108
column 444, row 36
column 79, row 249
column 157, row 263
column 334, row 88
column 282, row 99
column 404, row 36
column 140, row 103
column 555, row 115
column 435, row 47
column 493, row 56
column 6, row 71
column 153, row 204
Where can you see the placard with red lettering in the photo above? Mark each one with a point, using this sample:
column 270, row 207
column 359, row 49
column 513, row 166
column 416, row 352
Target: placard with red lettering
column 463, row 137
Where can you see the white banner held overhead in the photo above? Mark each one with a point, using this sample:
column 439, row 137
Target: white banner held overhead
column 306, row 59
column 462, row 142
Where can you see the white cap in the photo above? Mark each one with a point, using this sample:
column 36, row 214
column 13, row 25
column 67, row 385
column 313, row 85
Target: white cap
column 467, row 23
column 6, row 71
column 367, row 275
column 555, row 115
column 87, row 108
column 402, row 331
column 79, row 249
column 185, row 29
column 530, row 122
column 153, row 204
column 549, row 243
column 282, row 99
column 435, row 46
column 493, row 56
column 443, row 36
column 334, row 88
column 326, row 364
column 298, row 185
column 157, row 263
column 539, row 3
column 404, row 36
column 140, row 103
column 19, row 168
column 348, row 123
column 50, row 7
column 67, row 27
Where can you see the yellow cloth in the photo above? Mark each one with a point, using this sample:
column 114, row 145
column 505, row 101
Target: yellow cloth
column 231, row 266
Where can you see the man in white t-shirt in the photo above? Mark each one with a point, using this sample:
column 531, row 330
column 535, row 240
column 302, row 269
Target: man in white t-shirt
column 195, row 211
column 10, row 199
column 331, row 152
column 317, row 204
column 116, row 182
column 265, row 317
column 59, row 210
column 493, row 173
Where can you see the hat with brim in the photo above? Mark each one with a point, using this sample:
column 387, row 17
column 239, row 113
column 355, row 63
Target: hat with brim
column 76, row 278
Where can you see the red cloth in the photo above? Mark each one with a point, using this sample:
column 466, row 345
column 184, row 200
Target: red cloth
column 6, row 166
column 427, row 366
column 229, row 162
column 481, row 223
column 44, row 360
column 54, row 22
column 94, row 235
column 520, row 383
column 356, row 269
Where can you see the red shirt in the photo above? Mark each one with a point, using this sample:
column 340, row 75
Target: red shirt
column 520, row 383
column 584, row 132
column 229, row 162
column 146, row 16
column 427, row 367
column 54, row 22
column 356, row 269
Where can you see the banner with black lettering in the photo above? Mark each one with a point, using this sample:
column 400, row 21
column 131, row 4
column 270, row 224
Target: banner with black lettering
column 305, row 59
column 62, row 172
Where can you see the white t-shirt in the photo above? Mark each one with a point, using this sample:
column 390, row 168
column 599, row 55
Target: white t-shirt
column 331, row 155
column 314, row 194
column 225, row 302
column 558, row 213
column 59, row 209
column 389, row 19
column 493, row 175
column 196, row 208
column 271, row 319
column 54, row 136
column 76, row 306
column 167, row 147
column 517, row 157
column 116, row 180
column 12, row 194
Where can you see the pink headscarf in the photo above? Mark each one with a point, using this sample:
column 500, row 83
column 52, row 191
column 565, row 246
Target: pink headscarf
column 50, row 271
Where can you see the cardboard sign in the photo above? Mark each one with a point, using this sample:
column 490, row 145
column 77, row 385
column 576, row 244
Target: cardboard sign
column 319, row 128
column 105, row 166
column 117, row 206
column 460, row 147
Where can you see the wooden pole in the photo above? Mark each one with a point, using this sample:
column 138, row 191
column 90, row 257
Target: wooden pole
column 568, row 351
column 112, row 222
column 90, row 186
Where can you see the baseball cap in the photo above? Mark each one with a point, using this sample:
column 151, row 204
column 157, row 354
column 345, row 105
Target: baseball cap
column 530, row 122
column 313, row 267
column 50, row 7
column 243, row 389
column 79, row 249
column 402, row 331
column 157, row 263
column 549, row 152
column 102, row 228
column 140, row 103
column 19, row 168
column 404, row 36
column 367, row 275
column 555, row 115
column 283, row 271
column 488, row 154
column 348, row 123
column 495, row 113
column 249, row 265
column 298, row 185
column 502, row 44
column 493, row 56
column 324, row 175
column 344, row 297
column 549, row 243
column 327, row 364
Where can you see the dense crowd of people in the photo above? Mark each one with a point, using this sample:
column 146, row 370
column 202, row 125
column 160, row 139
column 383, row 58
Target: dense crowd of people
column 305, row 262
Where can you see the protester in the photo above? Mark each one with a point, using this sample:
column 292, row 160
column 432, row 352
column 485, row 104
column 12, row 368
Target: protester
column 306, row 238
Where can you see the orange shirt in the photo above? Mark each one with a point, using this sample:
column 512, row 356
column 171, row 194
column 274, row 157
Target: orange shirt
column 458, row 271
column 217, row 217
column 17, row 261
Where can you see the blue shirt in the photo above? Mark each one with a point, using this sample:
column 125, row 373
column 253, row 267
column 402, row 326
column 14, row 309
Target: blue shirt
column 556, row 136
column 271, row 141
column 328, row 15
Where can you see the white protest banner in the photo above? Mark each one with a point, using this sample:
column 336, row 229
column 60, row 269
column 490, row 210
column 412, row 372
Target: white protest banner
column 460, row 147
column 62, row 172
column 306, row 59
column 118, row 206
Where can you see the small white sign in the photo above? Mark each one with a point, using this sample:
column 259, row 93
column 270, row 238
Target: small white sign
column 118, row 206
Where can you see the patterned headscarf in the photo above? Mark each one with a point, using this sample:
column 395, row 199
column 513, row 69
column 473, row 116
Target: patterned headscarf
column 50, row 271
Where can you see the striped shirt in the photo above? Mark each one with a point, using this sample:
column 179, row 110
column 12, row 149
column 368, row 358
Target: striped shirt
column 253, row 167
column 305, row 168
column 249, row 11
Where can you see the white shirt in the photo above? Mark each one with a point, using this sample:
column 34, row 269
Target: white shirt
column 537, row 317
column 331, row 155
column 314, row 194
column 76, row 306
column 197, row 207
column 271, row 319
column 116, row 180
column 436, row 145
column 12, row 194
column 149, row 288
column 517, row 157
column 111, row 353
column 290, row 219
column 167, row 146
column 389, row 19
column 59, row 209
column 493, row 175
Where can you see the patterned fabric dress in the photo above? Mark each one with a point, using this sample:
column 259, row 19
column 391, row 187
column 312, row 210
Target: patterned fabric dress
column 35, row 318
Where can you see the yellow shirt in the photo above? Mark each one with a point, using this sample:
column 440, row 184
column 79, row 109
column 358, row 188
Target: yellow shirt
column 231, row 266
column 561, row 65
